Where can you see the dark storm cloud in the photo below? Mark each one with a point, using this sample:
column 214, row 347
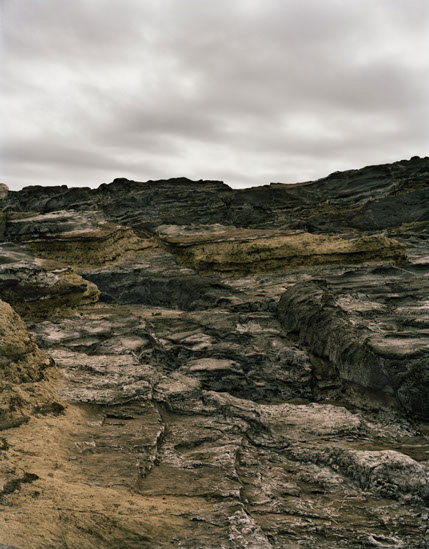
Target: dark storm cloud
column 247, row 91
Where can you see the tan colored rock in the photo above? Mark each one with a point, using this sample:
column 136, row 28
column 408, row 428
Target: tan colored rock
column 23, row 369
column 4, row 189
column 252, row 250
column 70, row 290
column 37, row 288
column 76, row 238
column 20, row 358
column 93, row 248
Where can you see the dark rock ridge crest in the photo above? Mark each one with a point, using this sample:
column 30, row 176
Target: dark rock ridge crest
column 202, row 367
column 372, row 198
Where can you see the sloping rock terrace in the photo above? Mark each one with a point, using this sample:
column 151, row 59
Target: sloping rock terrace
column 209, row 368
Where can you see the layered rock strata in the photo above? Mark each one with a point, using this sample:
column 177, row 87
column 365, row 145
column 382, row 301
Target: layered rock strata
column 375, row 338
column 372, row 198
column 228, row 249
column 81, row 239
column 37, row 287
column 252, row 376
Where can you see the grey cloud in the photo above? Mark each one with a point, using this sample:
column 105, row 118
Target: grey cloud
column 247, row 90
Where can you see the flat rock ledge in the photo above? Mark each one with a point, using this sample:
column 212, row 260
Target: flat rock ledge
column 231, row 250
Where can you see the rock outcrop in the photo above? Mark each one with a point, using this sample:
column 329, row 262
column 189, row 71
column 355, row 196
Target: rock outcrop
column 4, row 189
column 23, row 366
column 233, row 368
column 156, row 279
column 81, row 239
column 242, row 251
column 372, row 198
column 36, row 287
column 371, row 338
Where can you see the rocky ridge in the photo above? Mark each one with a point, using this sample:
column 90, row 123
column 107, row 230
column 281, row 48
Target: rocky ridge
column 209, row 368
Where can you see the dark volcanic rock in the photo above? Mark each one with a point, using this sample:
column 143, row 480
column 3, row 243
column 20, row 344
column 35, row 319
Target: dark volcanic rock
column 371, row 325
column 156, row 279
column 372, row 198
column 241, row 383
column 143, row 206
column 38, row 288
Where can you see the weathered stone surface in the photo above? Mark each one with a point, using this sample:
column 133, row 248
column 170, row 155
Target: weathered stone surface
column 3, row 217
column 273, row 408
column 4, row 189
column 35, row 287
column 231, row 250
column 156, row 279
column 371, row 325
column 22, row 367
column 77, row 238
column 222, row 471
column 21, row 360
column 372, row 198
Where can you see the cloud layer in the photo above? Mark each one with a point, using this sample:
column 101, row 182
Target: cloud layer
column 246, row 91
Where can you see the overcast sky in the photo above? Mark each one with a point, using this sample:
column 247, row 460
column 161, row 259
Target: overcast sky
column 246, row 91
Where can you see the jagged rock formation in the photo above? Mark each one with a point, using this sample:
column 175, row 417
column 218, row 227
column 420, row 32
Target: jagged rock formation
column 156, row 279
column 373, row 198
column 247, row 369
column 339, row 327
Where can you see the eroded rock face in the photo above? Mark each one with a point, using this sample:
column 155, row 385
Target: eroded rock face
column 22, row 365
column 278, row 401
column 80, row 239
column 21, row 359
column 232, row 250
column 372, row 198
column 156, row 279
column 371, row 327
column 4, row 189
column 38, row 288
column 196, row 414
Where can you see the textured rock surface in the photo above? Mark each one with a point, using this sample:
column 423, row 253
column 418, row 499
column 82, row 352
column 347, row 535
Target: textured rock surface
column 156, row 279
column 23, row 369
column 375, row 197
column 371, row 326
column 268, row 404
column 231, row 250
column 79, row 238
column 38, row 288
column 4, row 189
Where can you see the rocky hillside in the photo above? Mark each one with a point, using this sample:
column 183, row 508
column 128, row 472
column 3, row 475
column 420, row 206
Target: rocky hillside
column 207, row 368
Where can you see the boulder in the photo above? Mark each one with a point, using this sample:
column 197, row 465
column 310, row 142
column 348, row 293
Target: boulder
column 4, row 189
